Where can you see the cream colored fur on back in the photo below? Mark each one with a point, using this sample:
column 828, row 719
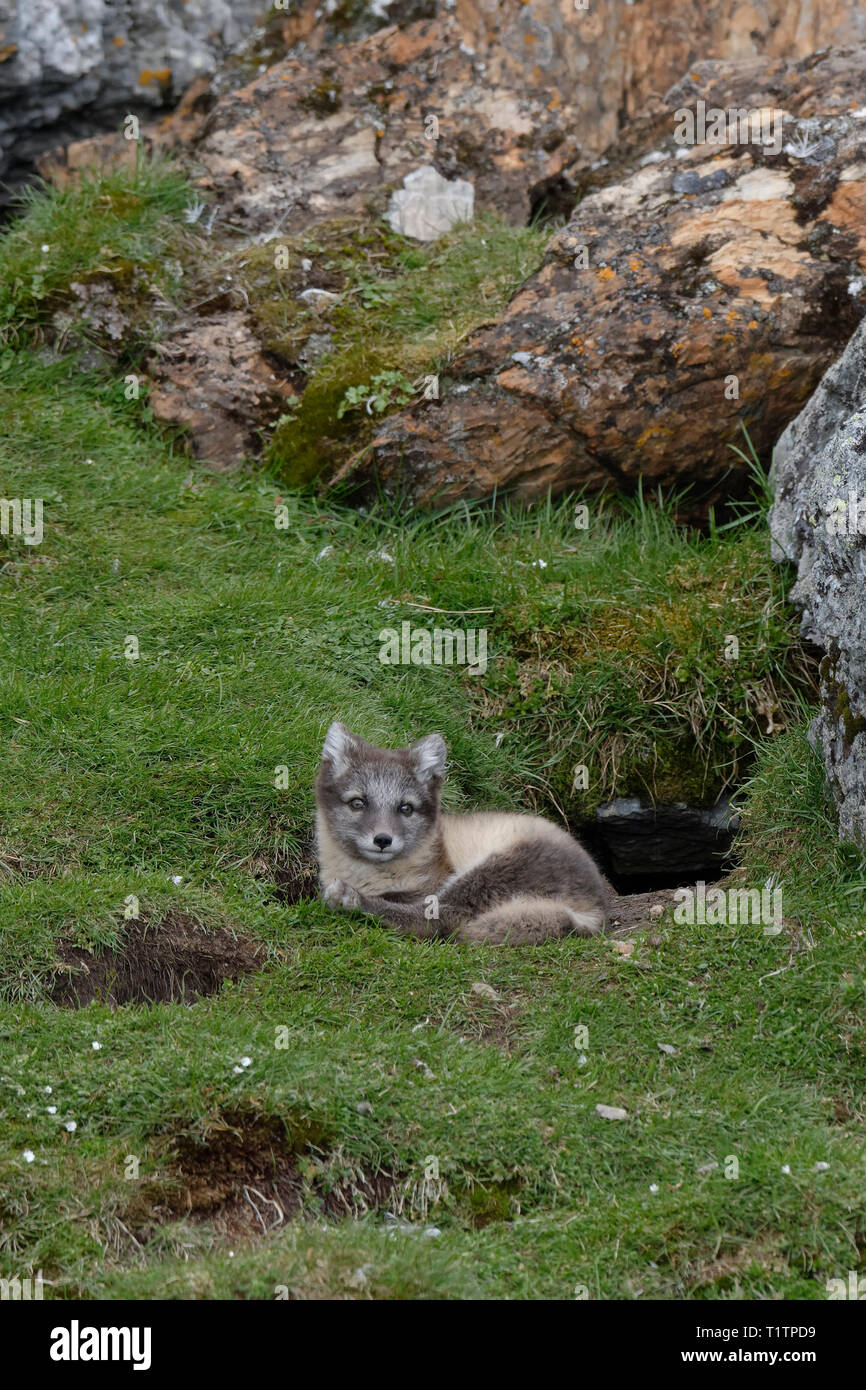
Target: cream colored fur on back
column 469, row 839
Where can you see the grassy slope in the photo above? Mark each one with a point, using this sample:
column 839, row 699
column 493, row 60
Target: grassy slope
column 119, row 774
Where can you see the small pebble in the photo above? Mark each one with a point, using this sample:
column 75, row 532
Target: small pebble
column 611, row 1112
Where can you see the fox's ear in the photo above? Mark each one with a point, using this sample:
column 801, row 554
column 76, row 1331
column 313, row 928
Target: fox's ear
column 428, row 757
column 339, row 745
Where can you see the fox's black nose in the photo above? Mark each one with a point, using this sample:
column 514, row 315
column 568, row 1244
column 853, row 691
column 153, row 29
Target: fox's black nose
column 381, row 841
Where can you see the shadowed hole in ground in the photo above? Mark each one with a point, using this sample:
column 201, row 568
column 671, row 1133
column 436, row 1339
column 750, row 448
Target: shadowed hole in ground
column 174, row 961
column 293, row 878
column 247, row 1176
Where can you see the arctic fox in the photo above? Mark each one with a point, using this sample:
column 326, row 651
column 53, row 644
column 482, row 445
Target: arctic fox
column 385, row 847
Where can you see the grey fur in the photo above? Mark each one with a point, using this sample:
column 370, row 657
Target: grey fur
column 494, row 878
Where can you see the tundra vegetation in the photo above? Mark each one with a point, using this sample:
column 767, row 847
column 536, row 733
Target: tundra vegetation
column 353, row 1114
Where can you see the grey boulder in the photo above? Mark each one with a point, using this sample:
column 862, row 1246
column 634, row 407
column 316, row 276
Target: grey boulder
column 819, row 521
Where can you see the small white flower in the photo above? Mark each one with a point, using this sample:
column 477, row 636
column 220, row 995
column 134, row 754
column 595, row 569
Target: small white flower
column 246, row 1061
column 52, row 1109
column 786, row 1167
column 45, row 247
column 47, row 1090
column 71, row 1126
column 237, row 1070
column 28, row 1155
column 96, row 1046
column 193, row 211
column 176, row 878
column 821, row 1167
column 539, row 564
column 654, row 1187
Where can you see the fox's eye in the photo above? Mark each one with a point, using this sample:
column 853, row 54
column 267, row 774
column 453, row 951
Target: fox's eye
column 357, row 803
column 406, row 809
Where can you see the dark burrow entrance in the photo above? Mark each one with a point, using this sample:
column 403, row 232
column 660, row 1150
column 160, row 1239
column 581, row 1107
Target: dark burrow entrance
column 174, row 961
column 641, row 848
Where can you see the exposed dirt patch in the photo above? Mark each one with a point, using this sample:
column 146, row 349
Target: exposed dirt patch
column 633, row 911
column 294, row 877
column 247, row 1176
column 176, row 961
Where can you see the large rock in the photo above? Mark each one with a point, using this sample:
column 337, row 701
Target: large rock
column 592, row 68
column 819, row 521
column 212, row 380
column 705, row 285
column 309, row 141
column 70, row 67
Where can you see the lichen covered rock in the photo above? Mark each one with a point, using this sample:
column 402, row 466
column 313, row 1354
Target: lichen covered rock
column 819, row 521
column 705, row 286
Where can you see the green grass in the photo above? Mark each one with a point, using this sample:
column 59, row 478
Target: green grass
column 121, row 774
column 123, row 228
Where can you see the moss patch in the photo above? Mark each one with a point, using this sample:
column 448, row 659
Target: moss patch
column 402, row 308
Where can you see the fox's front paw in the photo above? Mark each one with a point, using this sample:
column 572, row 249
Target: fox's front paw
column 341, row 894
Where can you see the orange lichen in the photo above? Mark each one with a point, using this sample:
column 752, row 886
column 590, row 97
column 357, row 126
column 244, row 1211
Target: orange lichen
column 162, row 76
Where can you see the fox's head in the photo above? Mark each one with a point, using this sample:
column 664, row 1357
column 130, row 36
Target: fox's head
column 379, row 803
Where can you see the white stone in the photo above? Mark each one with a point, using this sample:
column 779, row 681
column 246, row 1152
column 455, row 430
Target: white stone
column 428, row 205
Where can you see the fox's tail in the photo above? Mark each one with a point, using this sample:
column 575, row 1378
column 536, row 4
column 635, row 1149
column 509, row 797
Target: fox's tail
column 523, row 920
